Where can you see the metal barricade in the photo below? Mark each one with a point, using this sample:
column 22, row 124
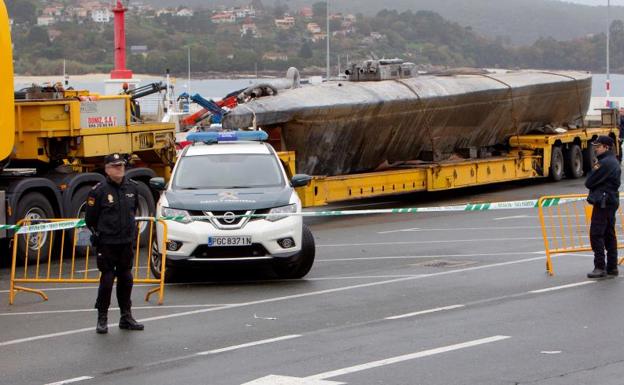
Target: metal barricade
column 59, row 251
column 565, row 222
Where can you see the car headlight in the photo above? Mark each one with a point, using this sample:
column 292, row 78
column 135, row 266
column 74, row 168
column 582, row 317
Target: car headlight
column 277, row 213
column 182, row 216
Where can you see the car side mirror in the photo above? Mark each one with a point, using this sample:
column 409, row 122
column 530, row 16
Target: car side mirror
column 300, row 180
column 157, row 183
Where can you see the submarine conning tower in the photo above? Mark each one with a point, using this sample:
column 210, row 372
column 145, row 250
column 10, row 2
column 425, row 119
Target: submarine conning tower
column 382, row 69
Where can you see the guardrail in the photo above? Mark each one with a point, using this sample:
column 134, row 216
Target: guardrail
column 565, row 225
column 59, row 251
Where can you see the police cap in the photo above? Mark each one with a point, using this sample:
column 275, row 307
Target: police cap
column 604, row 140
column 114, row 158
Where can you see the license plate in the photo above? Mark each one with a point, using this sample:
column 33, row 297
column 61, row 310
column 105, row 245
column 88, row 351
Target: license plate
column 228, row 241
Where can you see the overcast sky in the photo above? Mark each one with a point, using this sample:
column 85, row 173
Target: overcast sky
column 597, row 2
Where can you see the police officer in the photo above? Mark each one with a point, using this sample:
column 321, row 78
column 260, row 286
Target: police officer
column 603, row 183
column 110, row 217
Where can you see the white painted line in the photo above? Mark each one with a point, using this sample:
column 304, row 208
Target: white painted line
column 89, row 310
column 515, row 217
column 488, row 228
column 283, row 298
column 71, row 380
column 425, row 312
column 424, row 242
column 561, row 287
column 249, row 344
column 428, row 256
column 406, row 357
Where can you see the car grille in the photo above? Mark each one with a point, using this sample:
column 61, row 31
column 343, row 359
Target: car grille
column 235, row 222
column 205, row 252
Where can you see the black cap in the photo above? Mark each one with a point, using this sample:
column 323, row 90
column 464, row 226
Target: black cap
column 604, row 140
column 115, row 158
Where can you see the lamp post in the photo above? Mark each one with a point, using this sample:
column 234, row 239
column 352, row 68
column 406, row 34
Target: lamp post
column 608, row 80
column 327, row 38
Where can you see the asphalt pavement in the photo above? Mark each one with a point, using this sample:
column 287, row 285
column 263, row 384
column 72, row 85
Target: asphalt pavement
column 427, row 298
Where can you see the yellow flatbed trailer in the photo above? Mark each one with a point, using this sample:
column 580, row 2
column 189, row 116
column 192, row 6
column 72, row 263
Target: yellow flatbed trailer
column 527, row 157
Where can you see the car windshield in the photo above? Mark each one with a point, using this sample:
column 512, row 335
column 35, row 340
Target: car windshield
column 227, row 171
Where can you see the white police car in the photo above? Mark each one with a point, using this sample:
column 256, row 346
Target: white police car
column 226, row 178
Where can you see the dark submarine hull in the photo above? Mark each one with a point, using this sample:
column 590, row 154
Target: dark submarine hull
column 347, row 127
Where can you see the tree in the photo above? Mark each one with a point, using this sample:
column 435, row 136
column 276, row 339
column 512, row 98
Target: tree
column 22, row 11
column 306, row 51
column 320, row 9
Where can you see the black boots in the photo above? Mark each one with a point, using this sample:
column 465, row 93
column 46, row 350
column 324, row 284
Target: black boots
column 597, row 273
column 127, row 322
column 102, row 322
column 613, row 272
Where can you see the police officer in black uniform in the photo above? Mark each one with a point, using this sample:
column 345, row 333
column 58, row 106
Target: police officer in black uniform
column 603, row 183
column 110, row 217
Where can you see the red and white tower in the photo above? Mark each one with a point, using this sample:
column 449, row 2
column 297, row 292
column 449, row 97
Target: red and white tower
column 120, row 75
column 120, row 71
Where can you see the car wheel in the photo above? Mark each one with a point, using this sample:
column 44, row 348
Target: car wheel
column 299, row 265
column 156, row 266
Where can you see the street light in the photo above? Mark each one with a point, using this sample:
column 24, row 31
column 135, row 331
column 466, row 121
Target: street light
column 327, row 39
column 608, row 80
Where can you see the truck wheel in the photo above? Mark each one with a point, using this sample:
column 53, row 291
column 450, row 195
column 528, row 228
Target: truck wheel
column 574, row 162
column 77, row 210
column 33, row 206
column 589, row 157
column 300, row 265
column 556, row 164
column 146, row 208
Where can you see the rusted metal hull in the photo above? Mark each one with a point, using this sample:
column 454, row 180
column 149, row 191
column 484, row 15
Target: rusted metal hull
column 348, row 127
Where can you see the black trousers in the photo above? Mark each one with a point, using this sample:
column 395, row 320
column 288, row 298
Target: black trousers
column 115, row 261
column 602, row 236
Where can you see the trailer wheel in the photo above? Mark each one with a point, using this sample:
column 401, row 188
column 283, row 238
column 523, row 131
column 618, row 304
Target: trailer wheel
column 33, row 206
column 300, row 265
column 556, row 164
column 574, row 162
column 589, row 157
column 146, row 208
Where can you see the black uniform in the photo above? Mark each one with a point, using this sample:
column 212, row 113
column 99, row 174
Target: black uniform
column 603, row 183
column 110, row 217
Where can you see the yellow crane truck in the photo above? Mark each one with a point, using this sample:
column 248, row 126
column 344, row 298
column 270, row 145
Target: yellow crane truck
column 52, row 142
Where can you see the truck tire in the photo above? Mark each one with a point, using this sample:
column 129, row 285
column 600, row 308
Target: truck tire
column 589, row 157
column 33, row 205
column 556, row 164
column 146, row 208
column 574, row 162
column 300, row 265
column 77, row 209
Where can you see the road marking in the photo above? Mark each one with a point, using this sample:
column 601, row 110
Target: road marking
column 424, row 242
column 249, row 344
column 89, row 310
column 428, row 256
column 282, row 298
column 515, row 217
column 71, row 380
column 406, row 357
column 489, row 228
column 425, row 312
column 318, row 379
column 561, row 287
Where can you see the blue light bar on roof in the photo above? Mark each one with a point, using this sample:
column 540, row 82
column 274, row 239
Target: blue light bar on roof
column 227, row 136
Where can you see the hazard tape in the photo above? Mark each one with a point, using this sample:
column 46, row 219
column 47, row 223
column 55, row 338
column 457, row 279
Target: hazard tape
column 510, row 205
